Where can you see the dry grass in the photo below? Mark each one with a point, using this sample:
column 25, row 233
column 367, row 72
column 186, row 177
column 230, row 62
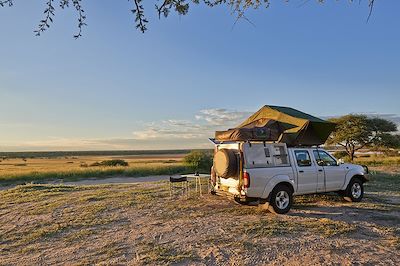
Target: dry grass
column 17, row 171
column 378, row 160
column 55, row 164
column 139, row 224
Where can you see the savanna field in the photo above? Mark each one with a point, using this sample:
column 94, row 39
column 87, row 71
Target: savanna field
column 139, row 224
column 37, row 169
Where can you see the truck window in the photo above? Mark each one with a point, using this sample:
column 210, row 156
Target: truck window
column 280, row 155
column 324, row 159
column 257, row 155
column 303, row 158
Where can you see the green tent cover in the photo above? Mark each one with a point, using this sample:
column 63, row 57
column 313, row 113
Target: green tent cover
column 283, row 124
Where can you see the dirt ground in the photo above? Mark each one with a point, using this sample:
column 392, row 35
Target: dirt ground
column 139, row 224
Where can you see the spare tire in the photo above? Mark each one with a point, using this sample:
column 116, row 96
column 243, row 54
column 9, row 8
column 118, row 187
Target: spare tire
column 225, row 163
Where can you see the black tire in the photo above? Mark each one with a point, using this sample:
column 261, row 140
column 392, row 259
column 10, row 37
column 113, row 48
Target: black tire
column 225, row 163
column 277, row 203
column 354, row 191
column 241, row 202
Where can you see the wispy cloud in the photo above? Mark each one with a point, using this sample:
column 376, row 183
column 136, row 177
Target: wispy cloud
column 164, row 134
column 203, row 126
column 69, row 144
column 222, row 117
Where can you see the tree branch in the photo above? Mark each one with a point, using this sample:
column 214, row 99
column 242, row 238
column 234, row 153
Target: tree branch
column 6, row 2
column 45, row 23
column 140, row 19
column 81, row 18
column 343, row 145
column 371, row 7
column 238, row 7
column 162, row 9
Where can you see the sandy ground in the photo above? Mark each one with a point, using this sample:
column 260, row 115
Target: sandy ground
column 101, row 181
column 117, row 180
column 139, row 224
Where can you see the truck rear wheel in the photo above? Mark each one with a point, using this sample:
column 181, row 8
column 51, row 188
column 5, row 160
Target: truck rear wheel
column 355, row 190
column 281, row 199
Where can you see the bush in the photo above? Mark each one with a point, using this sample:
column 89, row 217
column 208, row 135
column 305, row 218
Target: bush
column 340, row 154
column 391, row 153
column 199, row 160
column 111, row 163
column 114, row 163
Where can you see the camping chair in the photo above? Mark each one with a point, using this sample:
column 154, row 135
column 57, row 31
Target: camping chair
column 180, row 183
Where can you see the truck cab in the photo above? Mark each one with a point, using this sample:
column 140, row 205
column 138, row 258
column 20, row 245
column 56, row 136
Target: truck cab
column 273, row 173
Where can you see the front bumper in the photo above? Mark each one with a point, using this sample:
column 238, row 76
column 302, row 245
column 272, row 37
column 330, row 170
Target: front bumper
column 366, row 173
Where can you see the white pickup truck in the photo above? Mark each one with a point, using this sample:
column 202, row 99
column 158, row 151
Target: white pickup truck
column 273, row 173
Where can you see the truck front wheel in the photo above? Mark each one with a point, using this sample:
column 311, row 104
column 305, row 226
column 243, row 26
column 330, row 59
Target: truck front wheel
column 281, row 199
column 354, row 191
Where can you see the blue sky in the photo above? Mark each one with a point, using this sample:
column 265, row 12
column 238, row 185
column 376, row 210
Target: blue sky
column 116, row 88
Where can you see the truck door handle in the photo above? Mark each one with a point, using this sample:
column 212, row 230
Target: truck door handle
column 301, row 171
column 320, row 170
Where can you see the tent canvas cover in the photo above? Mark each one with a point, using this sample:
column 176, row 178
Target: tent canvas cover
column 280, row 124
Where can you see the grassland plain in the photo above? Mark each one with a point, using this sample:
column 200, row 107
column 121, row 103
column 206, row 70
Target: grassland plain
column 139, row 224
column 22, row 170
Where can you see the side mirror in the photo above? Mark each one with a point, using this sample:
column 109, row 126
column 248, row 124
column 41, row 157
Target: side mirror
column 340, row 161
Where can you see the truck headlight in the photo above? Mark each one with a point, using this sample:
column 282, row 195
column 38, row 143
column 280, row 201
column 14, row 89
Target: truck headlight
column 366, row 170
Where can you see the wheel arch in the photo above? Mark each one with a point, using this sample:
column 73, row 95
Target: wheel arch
column 362, row 177
column 351, row 175
column 277, row 180
column 358, row 176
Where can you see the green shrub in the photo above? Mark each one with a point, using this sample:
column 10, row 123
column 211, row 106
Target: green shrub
column 199, row 160
column 340, row 154
column 111, row 163
column 391, row 153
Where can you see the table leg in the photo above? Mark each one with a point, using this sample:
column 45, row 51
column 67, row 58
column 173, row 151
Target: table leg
column 200, row 185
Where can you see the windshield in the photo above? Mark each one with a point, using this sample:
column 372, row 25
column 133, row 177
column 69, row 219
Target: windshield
column 324, row 159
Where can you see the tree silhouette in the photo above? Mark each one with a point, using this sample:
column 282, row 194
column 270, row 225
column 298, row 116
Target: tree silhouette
column 162, row 7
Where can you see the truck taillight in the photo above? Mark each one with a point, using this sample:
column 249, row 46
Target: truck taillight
column 246, row 180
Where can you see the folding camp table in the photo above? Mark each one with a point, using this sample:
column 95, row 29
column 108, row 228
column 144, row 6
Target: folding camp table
column 197, row 178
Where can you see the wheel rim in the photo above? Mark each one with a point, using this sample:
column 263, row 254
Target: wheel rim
column 356, row 190
column 282, row 199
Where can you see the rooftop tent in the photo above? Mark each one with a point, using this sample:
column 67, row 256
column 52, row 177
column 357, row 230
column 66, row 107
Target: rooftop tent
column 281, row 124
column 241, row 134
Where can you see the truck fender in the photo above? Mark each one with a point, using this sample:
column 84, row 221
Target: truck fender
column 350, row 174
column 275, row 181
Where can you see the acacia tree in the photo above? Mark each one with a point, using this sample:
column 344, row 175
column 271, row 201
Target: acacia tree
column 162, row 7
column 354, row 132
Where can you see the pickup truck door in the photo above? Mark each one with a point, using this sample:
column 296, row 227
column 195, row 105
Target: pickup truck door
column 334, row 174
column 307, row 173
